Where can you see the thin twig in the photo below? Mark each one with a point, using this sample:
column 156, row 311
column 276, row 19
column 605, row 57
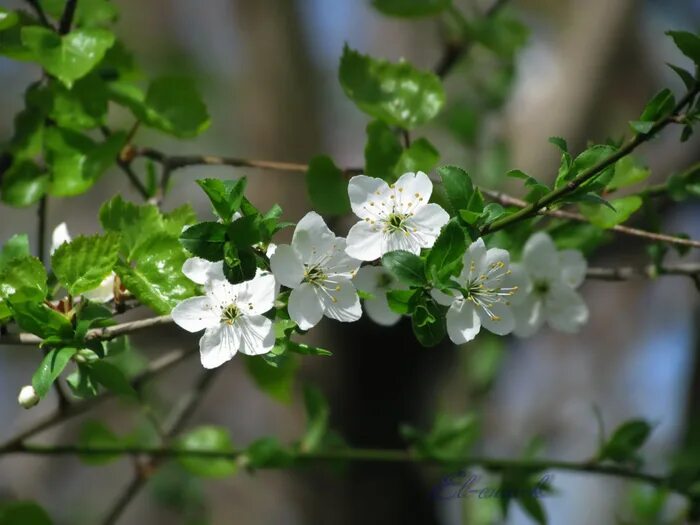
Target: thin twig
column 67, row 17
column 640, row 138
column 365, row 455
column 156, row 367
column 143, row 472
column 39, row 11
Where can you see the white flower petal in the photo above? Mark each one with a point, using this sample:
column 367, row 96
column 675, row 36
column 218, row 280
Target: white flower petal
column 195, row 314
column 400, row 240
column 565, row 309
column 340, row 300
column 540, row 257
column 518, row 279
column 287, row 266
column 312, row 238
column 104, row 291
column 378, row 310
column 218, row 345
column 414, row 188
column 257, row 334
column 529, row 316
column 222, row 293
column 463, row 323
column 271, row 249
column 305, row 307
column 59, row 236
column 200, row 270
column 503, row 323
column 442, row 298
column 257, row 296
column 573, row 267
column 365, row 241
column 339, row 263
column 494, row 265
column 363, row 191
column 472, row 261
column 428, row 220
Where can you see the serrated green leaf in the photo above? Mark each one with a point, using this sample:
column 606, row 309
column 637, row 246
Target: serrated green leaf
column 207, row 438
column 411, row 8
column 16, row 246
column 174, row 221
column 226, row 196
column 421, row 155
column 382, row 151
column 245, row 231
column 134, row 223
column 82, row 264
column 23, row 275
column 23, row 184
column 605, row 217
column 464, row 198
column 156, row 278
column 446, row 256
column 327, row 186
column 586, row 160
column 398, row 94
column 627, row 173
column 82, row 107
column 67, row 57
column 406, row 267
column 50, row 368
column 205, row 239
column 39, row 319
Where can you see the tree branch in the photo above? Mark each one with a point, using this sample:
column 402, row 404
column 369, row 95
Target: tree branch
column 67, row 17
column 534, row 208
column 39, row 11
column 363, row 455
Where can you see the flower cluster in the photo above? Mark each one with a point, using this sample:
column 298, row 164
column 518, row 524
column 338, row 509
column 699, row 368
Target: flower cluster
column 323, row 274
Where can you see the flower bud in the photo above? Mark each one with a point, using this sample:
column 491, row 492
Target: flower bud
column 28, row 397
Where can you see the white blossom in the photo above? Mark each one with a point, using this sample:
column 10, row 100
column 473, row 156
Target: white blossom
column 319, row 272
column 105, row 290
column 28, row 397
column 396, row 217
column 230, row 314
column 550, row 291
column 377, row 281
column 486, row 289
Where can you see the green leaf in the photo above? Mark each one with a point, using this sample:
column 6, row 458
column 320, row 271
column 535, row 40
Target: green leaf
column 604, row 217
column 421, row 155
column 171, row 104
column 659, row 106
column 688, row 43
column 96, row 435
column 685, row 76
column 76, row 161
column 71, row 56
column 428, row 322
column 450, row 439
column 398, row 94
column 246, row 231
column 84, row 106
column 23, row 513
column 304, row 349
column 327, row 186
column 50, row 368
column 240, row 264
column 225, row 195
column 406, row 267
column 447, row 254
column 400, row 301
column 205, row 239
column 81, row 384
column 24, row 184
column 317, row 415
column 461, row 193
column 112, row 378
column 267, row 452
column 533, row 508
column 411, row 8
column 15, row 247
column 537, row 189
column 40, row 320
column 82, row 264
column 382, row 151
column 585, row 161
column 277, row 381
column 627, row 173
column 25, row 274
column 174, row 221
column 156, row 279
column 625, row 441
column 134, row 223
column 208, row 438
column 88, row 13
column 8, row 19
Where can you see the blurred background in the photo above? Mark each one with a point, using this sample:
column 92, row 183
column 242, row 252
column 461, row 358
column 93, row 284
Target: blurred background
column 268, row 69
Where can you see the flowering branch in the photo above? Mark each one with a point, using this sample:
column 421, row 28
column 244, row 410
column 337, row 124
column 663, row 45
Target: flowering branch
column 359, row 454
